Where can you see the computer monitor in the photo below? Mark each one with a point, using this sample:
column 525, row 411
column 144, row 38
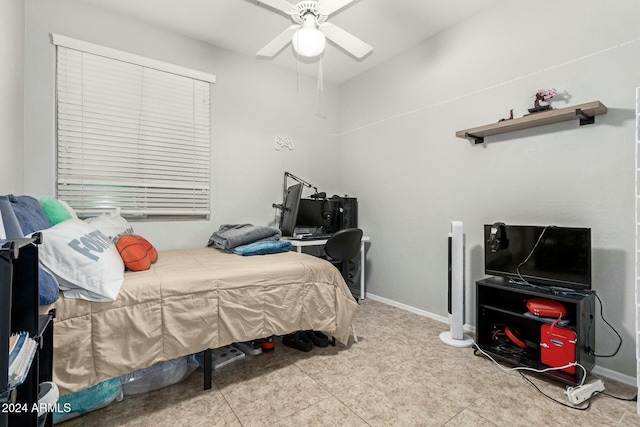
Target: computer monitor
column 318, row 213
column 290, row 210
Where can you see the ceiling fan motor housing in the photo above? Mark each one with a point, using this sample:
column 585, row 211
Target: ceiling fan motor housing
column 304, row 8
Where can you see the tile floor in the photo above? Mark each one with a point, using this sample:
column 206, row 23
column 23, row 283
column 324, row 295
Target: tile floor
column 399, row 373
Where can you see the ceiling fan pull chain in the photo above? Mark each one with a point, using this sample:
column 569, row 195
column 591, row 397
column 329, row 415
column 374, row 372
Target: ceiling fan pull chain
column 320, row 89
column 320, row 76
column 297, row 73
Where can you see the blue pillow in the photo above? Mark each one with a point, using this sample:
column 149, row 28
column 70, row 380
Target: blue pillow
column 31, row 218
column 49, row 289
column 30, row 215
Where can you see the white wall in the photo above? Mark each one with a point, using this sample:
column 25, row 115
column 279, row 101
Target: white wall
column 12, row 99
column 415, row 176
column 252, row 102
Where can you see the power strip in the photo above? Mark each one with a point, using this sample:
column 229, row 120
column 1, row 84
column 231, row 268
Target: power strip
column 579, row 394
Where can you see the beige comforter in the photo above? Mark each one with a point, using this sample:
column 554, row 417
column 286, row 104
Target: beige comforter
column 191, row 300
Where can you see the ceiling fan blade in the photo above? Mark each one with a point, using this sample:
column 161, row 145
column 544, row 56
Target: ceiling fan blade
column 277, row 44
column 329, row 6
column 281, row 5
column 345, row 40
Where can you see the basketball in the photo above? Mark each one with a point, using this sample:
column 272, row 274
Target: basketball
column 153, row 253
column 133, row 253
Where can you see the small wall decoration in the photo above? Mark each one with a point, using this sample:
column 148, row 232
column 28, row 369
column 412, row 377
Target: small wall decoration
column 283, row 141
column 540, row 96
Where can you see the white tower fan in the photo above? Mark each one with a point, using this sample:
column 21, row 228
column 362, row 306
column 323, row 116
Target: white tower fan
column 455, row 336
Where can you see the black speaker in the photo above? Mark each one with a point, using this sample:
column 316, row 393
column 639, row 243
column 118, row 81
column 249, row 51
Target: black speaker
column 347, row 211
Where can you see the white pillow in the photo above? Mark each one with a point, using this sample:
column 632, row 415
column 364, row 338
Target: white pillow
column 111, row 225
column 84, row 260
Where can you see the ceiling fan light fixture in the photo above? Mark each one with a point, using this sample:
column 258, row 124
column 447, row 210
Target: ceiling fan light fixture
column 308, row 40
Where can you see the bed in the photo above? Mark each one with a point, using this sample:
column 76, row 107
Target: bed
column 191, row 300
column 110, row 322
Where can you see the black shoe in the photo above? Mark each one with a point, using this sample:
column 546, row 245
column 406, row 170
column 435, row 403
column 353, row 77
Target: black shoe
column 317, row 338
column 298, row 340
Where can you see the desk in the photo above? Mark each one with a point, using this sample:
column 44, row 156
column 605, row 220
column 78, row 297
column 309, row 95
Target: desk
column 299, row 244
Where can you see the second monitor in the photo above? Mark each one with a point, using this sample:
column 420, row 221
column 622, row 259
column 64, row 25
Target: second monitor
column 290, row 210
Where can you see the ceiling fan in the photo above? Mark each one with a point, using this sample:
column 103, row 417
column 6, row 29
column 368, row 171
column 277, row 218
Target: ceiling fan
column 309, row 34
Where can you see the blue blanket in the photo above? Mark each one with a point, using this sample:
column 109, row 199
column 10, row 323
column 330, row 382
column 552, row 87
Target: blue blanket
column 263, row 248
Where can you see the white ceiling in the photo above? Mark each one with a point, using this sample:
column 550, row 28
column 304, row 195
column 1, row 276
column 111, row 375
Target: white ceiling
column 245, row 26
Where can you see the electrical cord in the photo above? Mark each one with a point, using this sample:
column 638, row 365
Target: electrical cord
column 589, row 399
column 584, row 376
column 592, row 351
column 626, row 399
column 531, row 285
column 523, row 368
column 579, row 408
column 591, row 319
column 531, row 254
column 526, row 368
column 634, row 398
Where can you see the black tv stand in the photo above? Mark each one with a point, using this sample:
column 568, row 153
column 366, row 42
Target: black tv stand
column 499, row 302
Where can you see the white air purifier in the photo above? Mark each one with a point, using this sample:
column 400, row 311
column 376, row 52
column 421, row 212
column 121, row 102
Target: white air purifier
column 455, row 336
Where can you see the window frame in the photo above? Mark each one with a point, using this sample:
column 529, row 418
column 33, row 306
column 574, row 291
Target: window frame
column 143, row 198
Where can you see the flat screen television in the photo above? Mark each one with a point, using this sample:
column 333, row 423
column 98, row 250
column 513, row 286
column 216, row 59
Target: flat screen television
column 538, row 255
column 290, row 210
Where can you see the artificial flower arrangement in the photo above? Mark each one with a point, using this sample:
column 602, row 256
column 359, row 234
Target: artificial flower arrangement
column 542, row 95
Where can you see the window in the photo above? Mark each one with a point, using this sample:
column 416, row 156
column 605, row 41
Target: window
column 132, row 133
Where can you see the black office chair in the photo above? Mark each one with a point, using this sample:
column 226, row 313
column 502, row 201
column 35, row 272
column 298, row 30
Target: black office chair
column 342, row 247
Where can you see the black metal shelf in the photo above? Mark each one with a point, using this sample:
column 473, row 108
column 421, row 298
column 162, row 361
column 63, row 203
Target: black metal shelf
column 43, row 321
column 500, row 304
column 19, row 311
column 508, row 312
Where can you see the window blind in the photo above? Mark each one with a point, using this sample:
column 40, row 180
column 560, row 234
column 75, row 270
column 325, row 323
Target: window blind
column 131, row 137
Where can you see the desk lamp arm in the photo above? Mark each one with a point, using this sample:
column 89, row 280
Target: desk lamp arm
column 300, row 180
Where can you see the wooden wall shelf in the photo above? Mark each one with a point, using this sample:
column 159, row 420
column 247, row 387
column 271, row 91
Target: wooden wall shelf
column 584, row 112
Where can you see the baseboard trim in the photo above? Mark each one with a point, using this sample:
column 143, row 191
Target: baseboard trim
column 616, row 376
column 424, row 313
column 405, row 307
column 597, row 370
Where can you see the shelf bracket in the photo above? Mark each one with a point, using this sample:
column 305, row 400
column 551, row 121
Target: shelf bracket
column 476, row 139
column 584, row 118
